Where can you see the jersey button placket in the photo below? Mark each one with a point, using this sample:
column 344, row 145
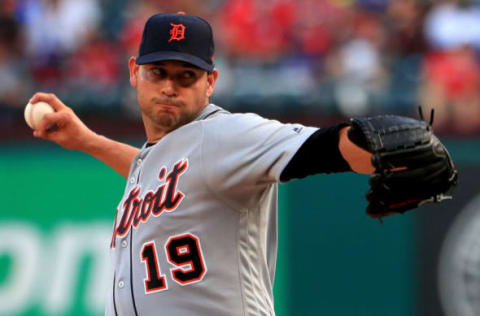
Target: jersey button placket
column 136, row 173
column 121, row 284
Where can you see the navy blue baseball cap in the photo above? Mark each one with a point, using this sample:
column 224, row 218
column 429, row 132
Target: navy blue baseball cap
column 180, row 37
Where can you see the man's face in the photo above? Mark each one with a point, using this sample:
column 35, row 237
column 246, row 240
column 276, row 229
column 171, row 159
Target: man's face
column 170, row 94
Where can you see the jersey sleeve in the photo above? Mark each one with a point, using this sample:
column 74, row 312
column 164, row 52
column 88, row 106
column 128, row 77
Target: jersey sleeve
column 246, row 149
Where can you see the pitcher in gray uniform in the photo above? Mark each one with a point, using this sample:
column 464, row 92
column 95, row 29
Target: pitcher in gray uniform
column 196, row 230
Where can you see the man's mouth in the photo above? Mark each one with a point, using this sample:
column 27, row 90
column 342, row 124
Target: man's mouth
column 167, row 103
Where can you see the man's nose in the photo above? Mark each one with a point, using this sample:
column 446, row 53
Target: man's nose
column 169, row 88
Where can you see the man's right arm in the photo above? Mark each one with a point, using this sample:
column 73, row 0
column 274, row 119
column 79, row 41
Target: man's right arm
column 67, row 130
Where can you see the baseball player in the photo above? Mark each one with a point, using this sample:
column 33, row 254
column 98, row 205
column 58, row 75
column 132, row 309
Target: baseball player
column 195, row 232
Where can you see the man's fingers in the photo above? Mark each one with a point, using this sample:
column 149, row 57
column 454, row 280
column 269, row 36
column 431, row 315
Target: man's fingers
column 50, row 123
column 48, row 120
column 50, row 98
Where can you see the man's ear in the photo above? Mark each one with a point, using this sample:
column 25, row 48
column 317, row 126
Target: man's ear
column 211, row 79
column 133, row 69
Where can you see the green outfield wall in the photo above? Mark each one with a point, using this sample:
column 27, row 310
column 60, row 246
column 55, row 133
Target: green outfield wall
column 56, row 218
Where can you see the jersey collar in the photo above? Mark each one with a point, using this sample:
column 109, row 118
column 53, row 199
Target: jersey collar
column 209, row 110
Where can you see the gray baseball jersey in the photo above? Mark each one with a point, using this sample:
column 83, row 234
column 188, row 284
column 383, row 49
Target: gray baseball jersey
column 196, row 230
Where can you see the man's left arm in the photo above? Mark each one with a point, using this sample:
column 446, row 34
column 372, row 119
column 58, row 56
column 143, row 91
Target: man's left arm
column 407, row 163
column 328, row 150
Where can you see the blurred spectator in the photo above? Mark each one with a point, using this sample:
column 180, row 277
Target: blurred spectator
column 404, row 50
column 358, row 67
column 452, row 24
column 257, row 29
column 59, row 26
column 113, row 16
column 14, row 81
column 54, row 29
column 131, row 34
column 320, row 24
column 405, row 19
column 452, row 87
column 451, row 71
column 94, row 73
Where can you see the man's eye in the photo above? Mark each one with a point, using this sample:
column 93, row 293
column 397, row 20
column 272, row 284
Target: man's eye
column 188, row 75
column 158, row 72
column 187, row 78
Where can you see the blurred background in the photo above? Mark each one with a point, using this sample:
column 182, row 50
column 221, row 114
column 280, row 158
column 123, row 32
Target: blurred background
column 310, row 61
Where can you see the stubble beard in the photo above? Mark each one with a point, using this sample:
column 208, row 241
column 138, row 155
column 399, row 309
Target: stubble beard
column 165, row 120
column 169, row 121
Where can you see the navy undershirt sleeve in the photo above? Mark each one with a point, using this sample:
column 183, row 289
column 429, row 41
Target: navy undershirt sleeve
column 318, row 154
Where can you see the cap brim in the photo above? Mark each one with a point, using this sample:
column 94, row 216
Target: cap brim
column 178, row 56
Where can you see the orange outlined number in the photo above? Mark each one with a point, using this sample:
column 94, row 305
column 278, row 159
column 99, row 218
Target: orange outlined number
column 154, row 282
column 184, row 253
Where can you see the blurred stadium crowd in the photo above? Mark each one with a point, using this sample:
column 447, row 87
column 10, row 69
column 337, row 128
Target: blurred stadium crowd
column 302, row 57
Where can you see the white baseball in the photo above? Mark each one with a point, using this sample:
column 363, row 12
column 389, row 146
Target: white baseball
column 34, row 113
